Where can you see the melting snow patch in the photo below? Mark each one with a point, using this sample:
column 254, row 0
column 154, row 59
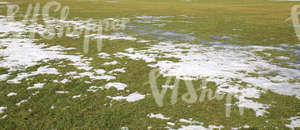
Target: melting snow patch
column 22, row 101
column 11, row 94
column 2, row 109
column 3, row 77
column 158, row 116
column 199, row 127
column 94, row 89
column 111, row 63
column 221, row 63
column 64, row 81
column 282, row 58
column 118, row 86
column 189, row 121
column 41, row 70
column 35, row 86
column 104, row 55
column 3, row 117
column 76, row 96
column 171, row 123
column 130, row 98
column 168, row 86
column 119, row 70
column 62, row 92
column 295, row 122
column 100, row 71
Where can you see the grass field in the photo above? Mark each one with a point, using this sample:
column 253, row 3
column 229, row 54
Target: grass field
column 176, row 64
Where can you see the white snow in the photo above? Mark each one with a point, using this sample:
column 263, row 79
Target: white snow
column 104, row 55
column 62, row 92
column 94, row 88
column 221, row 63
column 65, row 81
column 158, row 116
column 111, row 63
column 22, row 101
column 130, row 98
column 35, row 86
column 118, row 70
column 295, row 122
column 77, row 96
column 11, row 94
column 189, row 121
column 4, row 77
column 118, row 86
column 2, row 109
column 41, row 70
column 200, row 127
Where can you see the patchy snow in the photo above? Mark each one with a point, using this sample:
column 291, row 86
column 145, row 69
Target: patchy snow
column 118, row 86
column 104, row 55
column 111, row 63
column 77, row 96
column 65, row 81
column 35, row 86
column 200, row 127
column 118, row 70
column 21, row 102
column 130, row 98
column 282, row 58
column 41, row 70
column 295, row 122
column 115, row 36
column 158, row 116
column 94, row 88
column 189, row 121
column 2, row 109
column 4, row 77
column 3, row 117
column 100, row 71
column 222, row 64
column 171, row 123
column 11, row 94
column 168, row 86
column 62, row 92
